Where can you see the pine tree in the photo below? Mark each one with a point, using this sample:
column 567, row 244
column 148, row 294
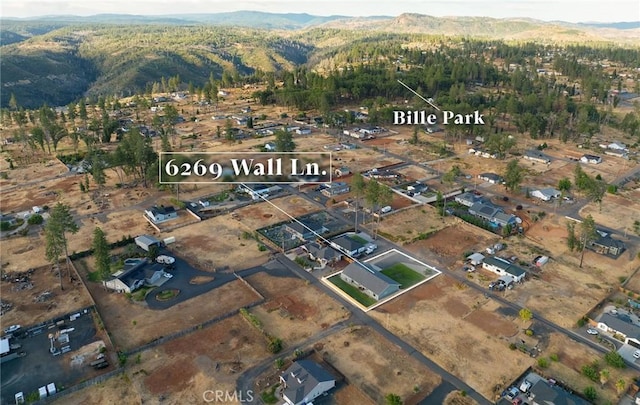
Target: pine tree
column 101, row 253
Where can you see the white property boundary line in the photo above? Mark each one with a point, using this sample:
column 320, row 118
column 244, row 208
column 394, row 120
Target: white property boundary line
column 377, row 304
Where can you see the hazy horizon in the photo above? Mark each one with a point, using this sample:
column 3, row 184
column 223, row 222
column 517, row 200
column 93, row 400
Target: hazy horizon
column 546, row 10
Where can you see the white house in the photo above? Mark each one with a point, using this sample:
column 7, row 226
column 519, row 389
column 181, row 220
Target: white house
column 591, row 159
column 304, row 381
column 502, row 268
column 135, row 276
column 161, row 213
column 303, row 131
column 617, row 146
column 621, row 325
column 491, row 178
column 546, row 194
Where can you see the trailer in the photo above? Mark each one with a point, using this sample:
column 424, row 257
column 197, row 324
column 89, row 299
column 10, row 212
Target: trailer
column 43, row 392
column 51, row 388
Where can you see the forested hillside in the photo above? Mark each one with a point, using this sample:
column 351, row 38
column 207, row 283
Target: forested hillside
column 56, row 62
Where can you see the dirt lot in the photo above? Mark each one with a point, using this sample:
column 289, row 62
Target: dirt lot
column 294, row 311
column 263, row 214
column 618, row 212
column 180, row 371
column 571, row 359
column 403, row 226
column 28, row 311
column 448, row 245
column 415, row 173
column 132, row 324
column 477, row 335
column 375, row 366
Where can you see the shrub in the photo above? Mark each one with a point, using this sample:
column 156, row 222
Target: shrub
column 590, row 393
column 543, row 362
column 275, row 345
column 35, row 219
column 528, row 332
column 512, row 346
column 553, row 357
column 614, row 359
column 591, row 372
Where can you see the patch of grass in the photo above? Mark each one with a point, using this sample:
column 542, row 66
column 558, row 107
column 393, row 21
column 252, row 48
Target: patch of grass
column 269, row 395
column 166, row 295
column 403, row 275
column 352, row 291
column 140, row 294
column 94, row 276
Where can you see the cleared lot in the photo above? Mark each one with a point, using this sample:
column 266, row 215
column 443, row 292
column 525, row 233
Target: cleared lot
column 475, row 334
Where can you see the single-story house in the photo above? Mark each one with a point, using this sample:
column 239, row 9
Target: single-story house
column 475, row 259
column 537, row 156
column 270, row 146
column 349, row 146
column 468, row 199
column 146, row 241
column 304, row 381
column 617, row 153
column 543, row 393
column 322, row 254
column 135, row 276
column 617, row 146
column 502, row 267
column 382, row 174
column 303, row 131
column 335, row 188
column 484, row 210
column 606, row 245
column 417, row 188
column 491, row 178
column 546, row 194
column 342, row 171
column 504, row 219
column 305, row 230
column 622, row 325
column 369, row 280
column 223, row 93
column 348, row 245
column 161, row 213
column 591, row 159
column 256, row 191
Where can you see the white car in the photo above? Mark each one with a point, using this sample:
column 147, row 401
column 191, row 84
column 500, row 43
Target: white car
column 592, row 331
column 168, row 275
column 636, row 354
column 11, row 329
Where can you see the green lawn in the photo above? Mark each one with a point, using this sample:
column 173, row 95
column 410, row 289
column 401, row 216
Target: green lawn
column 353, row 291
column 403, row 275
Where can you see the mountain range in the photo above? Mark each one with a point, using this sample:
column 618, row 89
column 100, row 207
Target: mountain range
column 57, row 59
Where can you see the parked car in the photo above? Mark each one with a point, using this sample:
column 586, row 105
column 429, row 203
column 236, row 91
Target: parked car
column 168, row 275
column 525, row 386
column 512, row 393
column 11, row 329
column 592, row 331
column 636, row 354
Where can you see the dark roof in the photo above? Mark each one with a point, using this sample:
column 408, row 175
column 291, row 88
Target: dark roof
column 505, row 265
column 587, row 156
column 469, row 197
column 532, row 153
column 369, row 278
column 491, row 176
column 302, row 377
column 545, row 393
column 348, row 243
column 321, row 252
column 484, row 209
column 609, row 242
column 162, row 210
column 621, row 325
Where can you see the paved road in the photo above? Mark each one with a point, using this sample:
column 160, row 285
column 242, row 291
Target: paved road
column 362, row 318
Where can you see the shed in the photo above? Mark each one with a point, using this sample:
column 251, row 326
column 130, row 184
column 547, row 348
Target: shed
column 146, row 241
column 475, row 259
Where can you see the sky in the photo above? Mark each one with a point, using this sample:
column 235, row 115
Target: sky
column 547, row 10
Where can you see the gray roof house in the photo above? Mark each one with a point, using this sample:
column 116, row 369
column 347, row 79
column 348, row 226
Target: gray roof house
column 348, row 245
column 304, row 381
column 621, row 324
column 536, row 156
column 369, row 280
column 607, row 246
column 491, row 178
column 486, row 211
column 335, row 188
column 322, row 254
column 135, row 276
column 468, row 199
column 542, row 393
column 502, row 267
column 305, row 230
column 504, row 219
